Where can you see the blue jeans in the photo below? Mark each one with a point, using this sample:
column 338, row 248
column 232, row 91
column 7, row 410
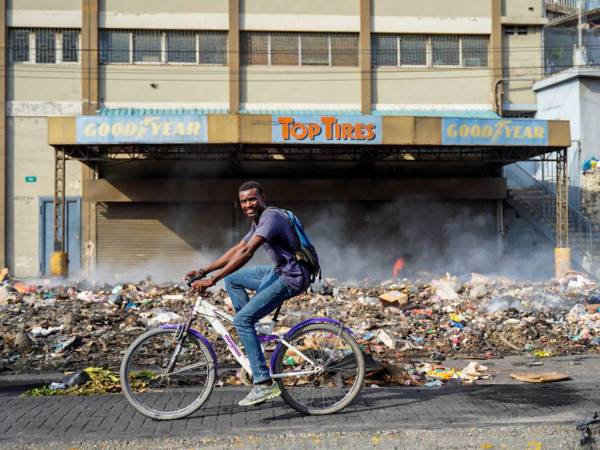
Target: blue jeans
column 271, row 291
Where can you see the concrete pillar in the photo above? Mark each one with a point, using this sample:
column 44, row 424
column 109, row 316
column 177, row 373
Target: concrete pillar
column 495, row 54
column 3, row 176
column 364, row 57
column 233, row 58
column 89, row 106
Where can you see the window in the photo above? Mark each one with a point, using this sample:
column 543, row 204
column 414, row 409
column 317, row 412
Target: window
column 70, row 46
column 385, row 50
column 114, row 46
column 474, row 51
column 213, row 48
column 181, row 47
column 428, row 51
column 284, row 49
column 170, row 47
column 509, row 31
column 255, row 48
column 309, row 49
column 146, row 46
column 344, row 50
column 445, row 50
column 522, row 30
column 314, row 49
column 19, row 45
column 413, row 50
column 45, row 47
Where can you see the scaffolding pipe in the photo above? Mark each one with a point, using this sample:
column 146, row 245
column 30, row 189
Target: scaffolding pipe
column 58, row 261
column 562, row 252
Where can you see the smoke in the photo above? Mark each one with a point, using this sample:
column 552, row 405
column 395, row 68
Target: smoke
column 359, row 240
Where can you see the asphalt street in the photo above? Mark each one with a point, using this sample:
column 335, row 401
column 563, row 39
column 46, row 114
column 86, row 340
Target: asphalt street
column 497, row 414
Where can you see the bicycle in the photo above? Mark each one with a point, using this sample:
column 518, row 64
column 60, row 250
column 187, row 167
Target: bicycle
column 169, row 372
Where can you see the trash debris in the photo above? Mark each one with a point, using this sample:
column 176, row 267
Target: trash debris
column 539, row 377
column 159, row 316
column 391, row 297
column 473, row 372
column 385, row 339
column 584, row 427
column 476, row 318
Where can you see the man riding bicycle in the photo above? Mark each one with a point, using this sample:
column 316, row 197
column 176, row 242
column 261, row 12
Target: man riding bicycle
column 272, row 285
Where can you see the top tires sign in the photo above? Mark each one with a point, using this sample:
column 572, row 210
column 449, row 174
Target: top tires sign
column 301, row 129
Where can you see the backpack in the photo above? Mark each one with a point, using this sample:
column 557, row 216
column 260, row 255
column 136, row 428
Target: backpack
column 305, row 252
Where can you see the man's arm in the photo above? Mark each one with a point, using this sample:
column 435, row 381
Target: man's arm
column 218, row 263
column 242, row 253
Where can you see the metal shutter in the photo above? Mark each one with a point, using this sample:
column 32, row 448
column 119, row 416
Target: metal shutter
column 163, row 240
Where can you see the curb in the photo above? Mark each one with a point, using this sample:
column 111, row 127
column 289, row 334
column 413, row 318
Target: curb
column 29, row 379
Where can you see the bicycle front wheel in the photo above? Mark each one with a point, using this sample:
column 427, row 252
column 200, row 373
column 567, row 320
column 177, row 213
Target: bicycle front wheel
column 340, row 377
column 165, row 378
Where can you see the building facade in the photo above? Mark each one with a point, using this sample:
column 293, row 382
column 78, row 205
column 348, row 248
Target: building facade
column 384, row 58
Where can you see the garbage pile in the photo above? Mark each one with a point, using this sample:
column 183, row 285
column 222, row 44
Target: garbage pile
column 45, row 326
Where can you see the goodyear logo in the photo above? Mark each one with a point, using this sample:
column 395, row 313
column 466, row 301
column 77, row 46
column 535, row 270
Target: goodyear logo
column 457, row 131
column 327, row 129
column 143, row 129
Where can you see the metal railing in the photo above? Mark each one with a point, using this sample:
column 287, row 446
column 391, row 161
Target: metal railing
column 572, row 4
column 540, row 200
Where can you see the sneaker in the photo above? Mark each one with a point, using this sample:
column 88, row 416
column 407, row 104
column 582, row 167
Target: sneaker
column 261, row 393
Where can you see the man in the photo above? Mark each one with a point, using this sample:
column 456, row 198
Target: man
column 270, row 228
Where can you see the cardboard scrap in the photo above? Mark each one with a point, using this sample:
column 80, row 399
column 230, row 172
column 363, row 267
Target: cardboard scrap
column 394, row 296
column 3, row 274
column 539, row 377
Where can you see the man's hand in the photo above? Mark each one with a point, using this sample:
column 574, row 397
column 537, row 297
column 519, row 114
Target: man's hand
column 196, row 273
column 203, row 284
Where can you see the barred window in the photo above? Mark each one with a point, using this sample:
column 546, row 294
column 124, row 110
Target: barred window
column 474, row 51
column 344, row 50
column 428, row 51
column 255, row 48
column 170, row 47
column 45, row 46
column 413, row 50
column 314, row 49
column 114, row 46
column 385, row 49
column 445, row 50
column 284, row 49
column 181, row 47
column 213, row 48
column 320, row 49
column 146, row 46
column 70, row 46
column 19, row 45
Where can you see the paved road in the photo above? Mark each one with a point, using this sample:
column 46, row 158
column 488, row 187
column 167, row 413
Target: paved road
column 451, row 410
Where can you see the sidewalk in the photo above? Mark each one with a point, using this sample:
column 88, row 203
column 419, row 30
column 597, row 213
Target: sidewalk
column 450, row 410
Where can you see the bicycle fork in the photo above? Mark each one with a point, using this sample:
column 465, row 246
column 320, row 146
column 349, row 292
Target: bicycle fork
column 180, row 338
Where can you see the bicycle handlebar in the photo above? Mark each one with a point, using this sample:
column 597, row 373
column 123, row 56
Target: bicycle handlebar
column 191, row 280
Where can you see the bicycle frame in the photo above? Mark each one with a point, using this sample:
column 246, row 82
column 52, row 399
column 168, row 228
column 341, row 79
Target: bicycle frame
column 214, row 315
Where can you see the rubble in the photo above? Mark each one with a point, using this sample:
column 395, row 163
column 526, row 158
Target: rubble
column 402, row 324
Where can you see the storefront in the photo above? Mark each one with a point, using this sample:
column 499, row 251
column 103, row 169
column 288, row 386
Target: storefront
column 162, row 189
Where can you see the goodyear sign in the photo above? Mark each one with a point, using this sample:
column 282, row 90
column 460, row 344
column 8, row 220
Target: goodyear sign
column 300, row 129
column 457, row 131
column 141, row 129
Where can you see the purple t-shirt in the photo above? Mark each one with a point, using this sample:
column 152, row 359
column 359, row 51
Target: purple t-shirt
column 274, row 226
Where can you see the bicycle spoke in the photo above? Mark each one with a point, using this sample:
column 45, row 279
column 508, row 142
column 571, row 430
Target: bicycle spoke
column 154, row 390
column 338, row 375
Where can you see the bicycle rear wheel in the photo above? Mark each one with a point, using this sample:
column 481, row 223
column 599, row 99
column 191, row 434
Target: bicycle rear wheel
column 330, row 389
column 161, row 394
